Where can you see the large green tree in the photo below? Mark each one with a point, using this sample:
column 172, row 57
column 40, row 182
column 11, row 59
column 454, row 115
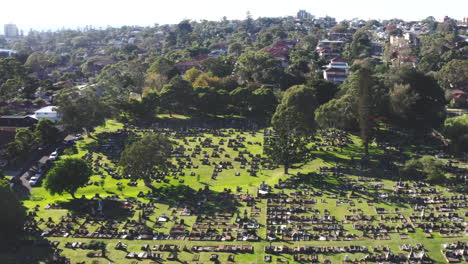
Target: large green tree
column 164, row 67
column 417, row 100
column 81, row 109
column 259, row 67
column 454, row 75
column 46, row 132
column 13, row 214
column 365, row 108
column 456, row 129
column 147, row 157
column 293, row 122
column 67, row 175
column 177, row 95
column 360, row 47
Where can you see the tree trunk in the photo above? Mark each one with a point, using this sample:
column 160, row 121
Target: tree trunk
column 73, row 195
column 366, row 148
column 286, row 169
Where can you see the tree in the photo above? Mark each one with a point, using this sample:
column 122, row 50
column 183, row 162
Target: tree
column 241, row 98
column 117, row 81
column 177, row 95
column 324, row 90
column 9, row 89
column 426, row 167
column 81, row 109
column 192, row 74
column 146, row 157
column 301, row 100
column 14, row 81
column 183, row 31
column 67, row 175
column 235, row 49
column 38, row 61
column 360, row 46
column 456, row 129
column 364, row 108
column 417, row 100
column 454, row 75
column 293, row 122
column 258, row 67
column 144, row 109
column 208, row 100
column 164, row 67
column 264, row 102
column 46, row 132
column 25, row 139
column 154, row 82
column 13, row 214
column 338, row 113
column 218, row 66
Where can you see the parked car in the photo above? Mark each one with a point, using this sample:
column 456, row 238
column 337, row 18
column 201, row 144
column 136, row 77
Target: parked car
column 53, row 155
column 33, row 181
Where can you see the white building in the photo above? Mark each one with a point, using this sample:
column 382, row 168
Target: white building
column 48, row 112
column 337, row 71
column 10, row 30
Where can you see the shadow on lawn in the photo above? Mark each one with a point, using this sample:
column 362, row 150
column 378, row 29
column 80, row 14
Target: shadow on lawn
column 112, row 209
column 202, row 201
column 26, row 251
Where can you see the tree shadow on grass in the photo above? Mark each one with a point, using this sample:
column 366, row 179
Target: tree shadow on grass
column 31, row 251
column 113, row 209
column 202, row 201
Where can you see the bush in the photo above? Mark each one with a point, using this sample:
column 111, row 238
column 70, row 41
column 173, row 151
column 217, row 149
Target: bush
column 426, row 167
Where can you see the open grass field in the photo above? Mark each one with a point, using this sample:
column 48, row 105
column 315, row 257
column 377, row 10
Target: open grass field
column 339, row 196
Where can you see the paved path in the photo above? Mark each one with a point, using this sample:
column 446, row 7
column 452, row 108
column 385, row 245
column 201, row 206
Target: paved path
column 21, row 177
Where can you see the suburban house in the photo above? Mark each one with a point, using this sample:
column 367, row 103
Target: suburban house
column 328, row 52
column 12, row 123
column 326, row 43
column 280, row 50
column 459, row 97
column 6, row 53
column 184, row 66
column 336, row 71
column 48, row 112
column 402, row 41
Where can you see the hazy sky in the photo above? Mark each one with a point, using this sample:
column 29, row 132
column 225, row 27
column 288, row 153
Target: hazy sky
column 44, row 14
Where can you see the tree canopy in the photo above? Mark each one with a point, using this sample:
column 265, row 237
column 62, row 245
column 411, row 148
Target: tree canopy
column 81, row 109
column 147, row 157
column 67, row 175
column 13, row 214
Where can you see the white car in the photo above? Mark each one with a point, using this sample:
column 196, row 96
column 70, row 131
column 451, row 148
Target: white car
column 53, row 155
column 33, row 180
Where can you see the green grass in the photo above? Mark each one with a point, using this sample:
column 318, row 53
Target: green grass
column 40, row 197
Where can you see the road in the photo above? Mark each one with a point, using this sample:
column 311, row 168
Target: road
column 21, row 177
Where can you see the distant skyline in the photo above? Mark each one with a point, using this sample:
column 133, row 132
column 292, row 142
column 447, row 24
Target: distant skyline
column 56, row 14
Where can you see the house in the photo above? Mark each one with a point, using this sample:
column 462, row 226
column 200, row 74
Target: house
column 48, row 112
column 459, row 97
column 328, row 52
column 336, row 71
column 184, row 66
column 12, row 123
column 402, row 41
column 280, row 50
column 329, row 48
column 6, row 53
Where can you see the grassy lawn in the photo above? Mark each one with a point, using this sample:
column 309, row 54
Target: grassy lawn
column 174, row 191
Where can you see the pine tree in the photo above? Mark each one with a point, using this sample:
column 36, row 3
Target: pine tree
column 364, row 108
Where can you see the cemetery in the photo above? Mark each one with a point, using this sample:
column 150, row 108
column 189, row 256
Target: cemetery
column 223, row 201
